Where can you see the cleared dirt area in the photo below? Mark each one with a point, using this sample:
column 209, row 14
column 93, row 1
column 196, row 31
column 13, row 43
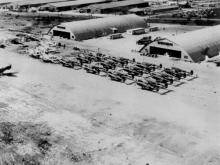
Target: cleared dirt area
column 54, row 115
column 92, row 120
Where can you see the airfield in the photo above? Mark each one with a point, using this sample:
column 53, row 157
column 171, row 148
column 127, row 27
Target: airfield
column 57, row 115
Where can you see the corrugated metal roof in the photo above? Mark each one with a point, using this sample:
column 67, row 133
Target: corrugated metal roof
column 88, row 29
column 199, row 43
column 36, row 2
column 118, row 4
column 76, row 3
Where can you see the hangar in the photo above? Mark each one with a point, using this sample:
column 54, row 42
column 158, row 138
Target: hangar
column 191, row 46
column 94, row 28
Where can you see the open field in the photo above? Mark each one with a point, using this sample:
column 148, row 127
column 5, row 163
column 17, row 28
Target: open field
column 55, row 115
column 92, row 115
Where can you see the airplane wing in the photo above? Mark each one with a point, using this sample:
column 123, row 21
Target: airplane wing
column 3, row 69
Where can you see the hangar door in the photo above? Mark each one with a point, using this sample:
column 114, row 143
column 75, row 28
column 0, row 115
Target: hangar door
column 162, row 51
column 61, row 34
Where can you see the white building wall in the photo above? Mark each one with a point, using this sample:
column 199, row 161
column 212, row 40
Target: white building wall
column 63, row 30
column 184, row 55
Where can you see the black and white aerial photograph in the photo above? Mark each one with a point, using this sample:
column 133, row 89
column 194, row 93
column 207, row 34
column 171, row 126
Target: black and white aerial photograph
column 109, row 82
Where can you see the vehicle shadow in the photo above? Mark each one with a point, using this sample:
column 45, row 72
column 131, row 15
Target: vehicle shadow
column 166, row 92
column 10, row 74
column 179, row 84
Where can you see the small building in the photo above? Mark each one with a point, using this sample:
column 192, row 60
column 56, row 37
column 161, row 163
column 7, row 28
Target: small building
column 94, row 28
column 153, row 29
column 191, row 46
column 136, row 31
column 118, row 6
column 115, row 36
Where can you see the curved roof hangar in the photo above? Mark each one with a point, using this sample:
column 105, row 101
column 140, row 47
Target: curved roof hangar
column 93, row 28
column 200, row 43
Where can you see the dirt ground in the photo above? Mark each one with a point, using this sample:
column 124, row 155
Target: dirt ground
column 55, row 115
